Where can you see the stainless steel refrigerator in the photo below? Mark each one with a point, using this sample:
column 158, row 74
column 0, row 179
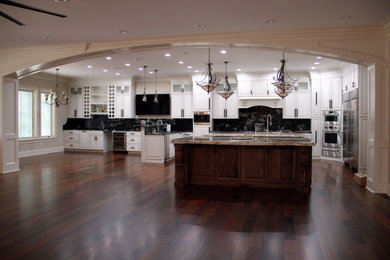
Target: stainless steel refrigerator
column 351, row 128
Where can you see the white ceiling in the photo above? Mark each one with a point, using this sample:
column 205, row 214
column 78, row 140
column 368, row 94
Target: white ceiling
column 101, row 20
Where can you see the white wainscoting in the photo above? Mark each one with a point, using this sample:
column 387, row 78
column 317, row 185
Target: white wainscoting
column 41, row 151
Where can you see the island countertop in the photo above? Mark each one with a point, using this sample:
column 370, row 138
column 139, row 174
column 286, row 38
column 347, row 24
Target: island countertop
column 246, row 140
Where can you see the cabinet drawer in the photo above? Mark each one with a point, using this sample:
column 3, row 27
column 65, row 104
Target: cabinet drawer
column 133, row 147
column 73, row 145
column 133, row 139
column 133, row 133
column 96, row 133
column 71, row 138
column 71, row 132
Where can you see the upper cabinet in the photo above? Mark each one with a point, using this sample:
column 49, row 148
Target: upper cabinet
column 225, row 108
column 256, row 88
column 298, row 103
column 181, row 100
column 201, row 99
column 78, row 106
column 331, row 93
column 124, row 102
column 315, row 98
column 98, row 100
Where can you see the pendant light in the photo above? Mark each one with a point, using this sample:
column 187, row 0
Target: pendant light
column 209, row 81
column 155, row 87
column 282, row 86
column 56, row 96
column 227, row 90
column 144, row 98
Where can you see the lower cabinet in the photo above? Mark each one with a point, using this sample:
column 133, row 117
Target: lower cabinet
column 96, row 140
column 133, row 141
column 83, row 139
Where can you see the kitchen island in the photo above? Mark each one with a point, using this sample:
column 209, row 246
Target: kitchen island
column 274, row 162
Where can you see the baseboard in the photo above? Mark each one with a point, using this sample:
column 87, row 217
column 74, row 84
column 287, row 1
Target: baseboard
column 41, row 151
column 369, row 189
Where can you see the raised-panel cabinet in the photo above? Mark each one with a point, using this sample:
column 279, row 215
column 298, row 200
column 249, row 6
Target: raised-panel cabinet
column 331, row 93
column 84, row 139
column 225, row 108
column 316, row 136
column 181, row 100
column 76, row 103
column 298, row 103
column 315, row 97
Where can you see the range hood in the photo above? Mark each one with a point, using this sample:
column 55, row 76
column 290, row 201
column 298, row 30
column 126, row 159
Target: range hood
column 246, row 102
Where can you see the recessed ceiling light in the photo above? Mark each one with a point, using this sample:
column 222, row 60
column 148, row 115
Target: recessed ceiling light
column 180, row 62
column 105, row 70
column 345, row 17
column 199, row 25
column 316, row 63
column 239, row 69
column 319, row 57
column 48, row 38
column 189, row 67
column 61, row 1
column 108, row 58
column 89, row 67
column 127, row 64
column 150, row 72
column 313, row 68
column 270, row 21
column 167, row 55
column 117, row 74
column 123, row 31
column 223, row 51
column 196, row 71
column 275, row 68
column 140, row 68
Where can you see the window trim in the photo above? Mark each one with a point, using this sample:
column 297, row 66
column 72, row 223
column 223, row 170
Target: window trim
column 33, row 128
column 52, row 117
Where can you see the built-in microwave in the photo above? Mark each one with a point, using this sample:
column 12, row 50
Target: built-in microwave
column 201, row 118
column 331, row 117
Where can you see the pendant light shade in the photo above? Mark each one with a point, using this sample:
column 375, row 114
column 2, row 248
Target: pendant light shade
column 209, row 81
column 155, row 87
column 56, row 96
column 283, row 86
column 144, row 98
column 227, row 90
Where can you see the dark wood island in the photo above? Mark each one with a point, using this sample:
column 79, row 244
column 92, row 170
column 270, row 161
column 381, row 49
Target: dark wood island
column 254, row 162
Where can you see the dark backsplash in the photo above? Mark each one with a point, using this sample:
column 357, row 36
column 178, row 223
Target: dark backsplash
column 99, row 122
column 248, row 117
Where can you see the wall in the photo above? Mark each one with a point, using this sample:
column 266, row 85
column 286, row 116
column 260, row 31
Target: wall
column 41, row 146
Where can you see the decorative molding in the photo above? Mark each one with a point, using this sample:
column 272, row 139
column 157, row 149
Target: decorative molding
column 41, row 151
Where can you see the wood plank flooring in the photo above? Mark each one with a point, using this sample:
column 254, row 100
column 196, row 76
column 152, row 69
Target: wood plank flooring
column 110, row 206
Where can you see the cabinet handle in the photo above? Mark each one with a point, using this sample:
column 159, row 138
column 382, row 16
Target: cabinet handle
column 75, row 113
column 95, row 138
column 122, row 112
column 297, row 112
column 316, row 97
column 70, row 138
column 267, row 92
column 330, row 105
column 251, row 93
column 315, row 137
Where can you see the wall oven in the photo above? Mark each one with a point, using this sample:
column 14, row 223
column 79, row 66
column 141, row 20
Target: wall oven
column 331, row 117
column 331, row 141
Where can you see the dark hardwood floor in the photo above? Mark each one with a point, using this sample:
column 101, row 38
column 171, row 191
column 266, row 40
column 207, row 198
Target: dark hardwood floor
column 110, row 206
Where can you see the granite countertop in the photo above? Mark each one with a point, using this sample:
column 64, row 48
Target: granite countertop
column 246, row 140
column 257, row 134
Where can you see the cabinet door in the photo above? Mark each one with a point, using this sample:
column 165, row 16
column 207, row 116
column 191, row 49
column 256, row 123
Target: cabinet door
column 227, row 163
column 245, row 88
column 93, row 142
column 218, row 106
column 271, row 89
column 316, row 136
column 80, row 106
column 290, row 105
column 187, row 104
column 126, row 104
column 325, row 94
column 200, row 99
column 84, row 140
column 154, row 147
column 232, row 106
column 200, row 130
column 72, row 106
column 315, row 98
column 336, row 93
column 119, row 113
column 251, row 172
column 279, row 164
column 99, row 142
column 260, row 87
column 176, row 107
column 303, row 104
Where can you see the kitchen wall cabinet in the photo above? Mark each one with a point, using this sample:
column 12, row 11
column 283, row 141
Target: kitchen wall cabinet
column 225, row 108
column 181, row 100
column 255, row 88
column 297, row 104
column 331, row 93
column 201, row 99
column 316, row 136
column 124, row 102
column 316, row 98
column 98, row 100
column 76, row 103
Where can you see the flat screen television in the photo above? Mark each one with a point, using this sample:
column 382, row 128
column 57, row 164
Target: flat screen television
column 163, row 107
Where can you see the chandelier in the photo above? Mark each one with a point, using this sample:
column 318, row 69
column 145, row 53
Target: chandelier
column 227, row 90
column 209, row 81
column 282, row 86
column 144, row 98
column 56, row 96
column 155, row 87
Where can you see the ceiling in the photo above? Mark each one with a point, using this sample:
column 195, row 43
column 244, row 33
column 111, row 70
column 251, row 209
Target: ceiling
column 101, row 20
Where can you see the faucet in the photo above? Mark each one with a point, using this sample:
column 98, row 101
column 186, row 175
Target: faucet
column 269, row 122
column 257, row 128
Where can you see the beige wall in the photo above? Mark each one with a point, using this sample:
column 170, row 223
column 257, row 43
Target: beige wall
column 40, row 146
column 362, row 45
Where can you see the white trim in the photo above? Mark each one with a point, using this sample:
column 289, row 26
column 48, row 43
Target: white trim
column 370, row 190
column 41, row 151
column 11, row 171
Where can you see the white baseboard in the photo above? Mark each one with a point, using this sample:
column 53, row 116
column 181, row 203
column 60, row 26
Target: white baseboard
column 41, row 151
column 369, row 189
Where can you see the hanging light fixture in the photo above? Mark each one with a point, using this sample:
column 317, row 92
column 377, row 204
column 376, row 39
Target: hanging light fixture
column 144, row 98
column 227, row 90
column 282, row 86
column 209, row 81
column 155, row 87
column 56, row 96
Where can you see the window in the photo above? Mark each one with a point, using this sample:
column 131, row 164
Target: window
column 46, row 117
column 25, row 114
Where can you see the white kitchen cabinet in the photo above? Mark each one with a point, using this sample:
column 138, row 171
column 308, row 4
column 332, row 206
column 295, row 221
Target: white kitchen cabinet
column 331, row 93
column 96, row 140
column 225, row 108
column 316, row 136
column 297, row 104
column 200, row 130
column 171, row 146
column 200, row 99
column 76, row 103
column 84, row 139
column 71, row 139
column 133, row 141
column 99, row 100
column 124, row 102
column 315, row 97
column 181, row 100
column 252, row 87
column 153, row 149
